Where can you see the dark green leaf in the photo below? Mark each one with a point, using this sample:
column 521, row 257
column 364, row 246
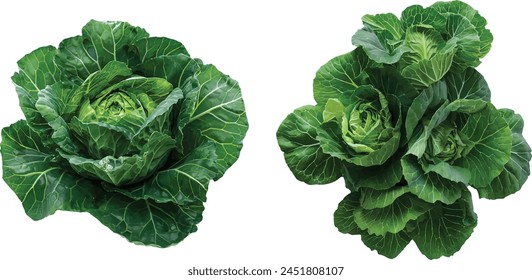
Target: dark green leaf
column 455, row 7
column 389, row 81
column 392, row 218
column 99, row 44
column 176, row 69
column 468, row 84
column 417, row 146
column 384, row 23
column 126, row 169
column 467, row 106
column 376, row 49
column 467, row 41
column 417, row 15
column 389, row 245
column 341, row 75
column 378, row 177
column 185, row 182
column 57, row 104
column 159, row 119
column 430, row 186
column 42, row 183
column 109, row 75
column 514, row 121
column 448, row 171
column 479, row 22
column 36, row 70
column 331, row 142
column 517, row 169
column 213, row 110
column 99, row 139
column 297, row 137
column 371, row 199
column 344, row 219
column 146, row 222
column 424, row 104
column 492, row 145
column 148, row 48
column 486, row 38
column 445, row 228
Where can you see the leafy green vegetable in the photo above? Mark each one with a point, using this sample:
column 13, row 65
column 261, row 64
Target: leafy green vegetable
column 425, row 43
column 124, row 126
column 407, row 121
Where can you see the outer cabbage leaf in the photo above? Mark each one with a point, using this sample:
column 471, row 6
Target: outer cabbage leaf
column 424, row 106
column 57, row 104
column 468, row 41
column 416, row 15
column 430, row 186
column 381, row 38
column 472, row 15
column 147, row 222
column 378, row 177
column 392, row 218
column 174, row 68
column 371, row 199
column 390, row 82
column 344, row 214
column 385, row 23
column 445, row 228
column 213, row 110
column 378, row 48
column 297, row 137
column 152, row 47
column 185, row 182
column 99, row 44
column 468, row 84
column 42, row 183
column 389, row 245
column 36, row 71
column 341, row 75
column 492, row 138
column 517, row 169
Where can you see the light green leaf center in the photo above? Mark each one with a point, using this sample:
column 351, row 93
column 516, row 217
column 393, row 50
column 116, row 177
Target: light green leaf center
column 369, row 125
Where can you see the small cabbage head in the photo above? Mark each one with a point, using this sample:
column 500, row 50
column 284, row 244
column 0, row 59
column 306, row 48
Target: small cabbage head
column 366, row 124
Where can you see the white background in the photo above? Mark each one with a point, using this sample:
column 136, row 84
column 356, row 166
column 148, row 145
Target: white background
column 259, row 215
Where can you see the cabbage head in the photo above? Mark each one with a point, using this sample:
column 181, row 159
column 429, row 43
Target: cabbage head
column 124, row 126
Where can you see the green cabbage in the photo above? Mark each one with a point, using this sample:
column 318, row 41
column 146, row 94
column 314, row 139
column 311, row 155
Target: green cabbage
column 407, row 121
column 126, row 127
